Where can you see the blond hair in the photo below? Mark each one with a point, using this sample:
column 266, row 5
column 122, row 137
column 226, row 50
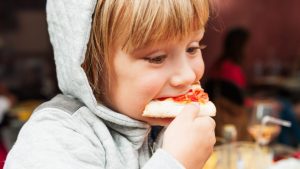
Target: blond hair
column 134, row 24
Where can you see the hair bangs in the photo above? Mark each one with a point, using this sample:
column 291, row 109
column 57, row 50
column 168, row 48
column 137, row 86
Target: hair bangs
column 148, row 22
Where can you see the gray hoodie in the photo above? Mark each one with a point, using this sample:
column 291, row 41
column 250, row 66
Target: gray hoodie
column 73, row 131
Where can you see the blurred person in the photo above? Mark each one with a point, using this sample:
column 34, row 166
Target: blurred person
column 289, row 136
column 226, row 84
column 229, row 66
column 7, row 100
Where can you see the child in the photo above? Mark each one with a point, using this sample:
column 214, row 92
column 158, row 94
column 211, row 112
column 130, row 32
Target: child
column 108, row 69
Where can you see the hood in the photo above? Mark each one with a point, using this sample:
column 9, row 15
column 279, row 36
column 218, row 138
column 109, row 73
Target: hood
column 69, row 25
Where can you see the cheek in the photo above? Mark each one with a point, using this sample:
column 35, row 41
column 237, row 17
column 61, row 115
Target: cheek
column 199, row 67
column 151, row 85
column 142, row 91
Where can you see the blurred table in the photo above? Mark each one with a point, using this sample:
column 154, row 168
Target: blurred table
column 23, row 110
column 291, row 83
column 18, row 115
column 247, row 155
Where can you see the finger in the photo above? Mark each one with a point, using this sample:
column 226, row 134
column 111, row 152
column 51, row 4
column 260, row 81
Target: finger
column 189, row 112
column 206, row 121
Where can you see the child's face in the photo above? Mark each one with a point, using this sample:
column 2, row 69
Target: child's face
column 166, row 69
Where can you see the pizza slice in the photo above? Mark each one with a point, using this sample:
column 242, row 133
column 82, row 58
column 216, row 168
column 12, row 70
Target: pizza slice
column 172, row 106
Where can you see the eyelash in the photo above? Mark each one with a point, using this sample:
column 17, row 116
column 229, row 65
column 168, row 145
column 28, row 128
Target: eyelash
column 201, row 47
column 162, row 58
column 157, row 59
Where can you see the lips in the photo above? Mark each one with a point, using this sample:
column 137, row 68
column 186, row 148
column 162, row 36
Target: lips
column 175, row 96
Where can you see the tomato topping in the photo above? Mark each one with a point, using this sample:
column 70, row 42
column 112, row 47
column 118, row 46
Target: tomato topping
column 193, row 96
column 180, row 98
column 162, row 98
column 196, row 95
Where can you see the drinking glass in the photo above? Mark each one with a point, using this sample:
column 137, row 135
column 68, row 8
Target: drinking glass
column 262, row 130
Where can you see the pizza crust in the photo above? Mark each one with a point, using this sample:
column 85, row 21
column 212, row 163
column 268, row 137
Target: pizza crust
column 170, row 109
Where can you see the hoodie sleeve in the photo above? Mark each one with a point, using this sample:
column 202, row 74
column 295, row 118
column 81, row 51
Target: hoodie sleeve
column 162, row 159
column 52, row 142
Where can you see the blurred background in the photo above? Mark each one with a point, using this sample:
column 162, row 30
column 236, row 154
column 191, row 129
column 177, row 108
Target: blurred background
column 265, row 66
column 27, row 72
column 26, row 59
column 253, row 53
column 273, row 46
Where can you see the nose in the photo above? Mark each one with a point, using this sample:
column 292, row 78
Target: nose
column 184, row 74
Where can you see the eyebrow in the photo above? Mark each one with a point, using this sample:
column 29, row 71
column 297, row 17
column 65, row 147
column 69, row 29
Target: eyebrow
column 144, row 51
column 147, row 48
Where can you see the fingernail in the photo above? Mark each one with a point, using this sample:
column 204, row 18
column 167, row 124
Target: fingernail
column 196, row 105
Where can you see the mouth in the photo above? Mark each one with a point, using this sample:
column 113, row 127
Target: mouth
column 194, row 86
column 174, row 96
column 188, row 89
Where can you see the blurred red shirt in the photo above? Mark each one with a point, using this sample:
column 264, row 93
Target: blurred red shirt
column 231, row 72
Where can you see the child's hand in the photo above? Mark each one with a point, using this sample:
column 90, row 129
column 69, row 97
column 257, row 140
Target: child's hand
column 190, row 138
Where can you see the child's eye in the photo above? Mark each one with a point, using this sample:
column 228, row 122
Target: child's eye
column 157, row 59
column 194, row 50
